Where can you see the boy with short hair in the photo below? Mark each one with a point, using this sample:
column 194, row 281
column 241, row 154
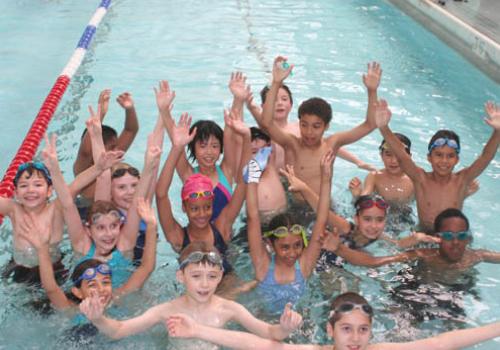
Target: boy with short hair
column 304, row 152
column 200, row 270
column 441, row 188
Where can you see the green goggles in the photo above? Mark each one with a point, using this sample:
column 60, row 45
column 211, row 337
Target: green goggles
column 283, row 231
column 449, row 236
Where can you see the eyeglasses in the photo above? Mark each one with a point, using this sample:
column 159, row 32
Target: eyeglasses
column 449, row 236
column 367, row 203
column 440, row 142
column 350, row 307
column 116, row 213
column 90, row 273
column 33, row 165
column 122, row 171
column 197, row 195
column 283, row 231
column 196, row 257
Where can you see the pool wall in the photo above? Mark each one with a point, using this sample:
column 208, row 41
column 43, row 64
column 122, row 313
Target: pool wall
column 476, row 47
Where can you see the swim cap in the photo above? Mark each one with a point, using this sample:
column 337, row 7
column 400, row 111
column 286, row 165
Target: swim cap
column 197, row 186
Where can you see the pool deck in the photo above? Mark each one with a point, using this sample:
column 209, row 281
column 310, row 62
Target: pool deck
column 471, row 27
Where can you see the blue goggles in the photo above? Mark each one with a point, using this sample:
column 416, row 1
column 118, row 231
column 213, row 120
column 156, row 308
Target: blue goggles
column 197, row 257
column 33, row 165
column 90, row 273
column 449, row 236
column 442, row 141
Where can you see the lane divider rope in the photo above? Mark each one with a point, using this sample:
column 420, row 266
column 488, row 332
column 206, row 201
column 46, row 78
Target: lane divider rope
column 28, row 147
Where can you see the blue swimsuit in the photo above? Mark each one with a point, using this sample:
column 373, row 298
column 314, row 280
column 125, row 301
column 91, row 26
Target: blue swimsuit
column 277, row 295
column 222, row 192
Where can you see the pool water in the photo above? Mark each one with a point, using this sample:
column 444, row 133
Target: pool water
column 196, row 45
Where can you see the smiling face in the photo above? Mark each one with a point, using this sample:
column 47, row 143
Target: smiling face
column 32, row 191
column 201, row 280
column 100, row 286
column 207, row 152
column 123, row 190
column 105, row 231
column 453, row 250
column 391, row 162
column 352, row 331
column 198, row 211
column 443, row 159
column 282, row 106
column 288, row 249
column 312, row 129
column 370, row 222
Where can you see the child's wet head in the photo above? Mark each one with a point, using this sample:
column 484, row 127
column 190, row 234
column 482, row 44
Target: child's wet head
column 371, row 212
column 92, row 277
column 205, row 131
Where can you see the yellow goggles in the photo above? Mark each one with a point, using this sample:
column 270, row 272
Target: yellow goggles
column 283, row 231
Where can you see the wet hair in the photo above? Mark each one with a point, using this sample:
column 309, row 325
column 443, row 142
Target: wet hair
column 81, row 268
column 257, row 133
column 198, row 246
column 205, row 129
column 265, row 90
column 373, row 197
column 31, row 169
column 100, row 207
column 108, row 134
column 449, row 213
column 318, row 107
column 349, row 298
column 443, row 133
column 404, row 139
column 283, row 219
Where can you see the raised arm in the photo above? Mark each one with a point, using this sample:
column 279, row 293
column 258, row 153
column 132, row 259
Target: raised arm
column 311, row 254
column 382, row 117
column 491, row 147
column 142, row 273
column 131, row 126
column 171, row 228
column 297, row 185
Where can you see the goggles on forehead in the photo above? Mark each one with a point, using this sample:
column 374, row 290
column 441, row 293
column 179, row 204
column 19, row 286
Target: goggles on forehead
column 350, row 307
column 196, row 257
column 122, row 171
column 442, row 141
column 377, row 201
column 449, row 236
column 33, row 165
column 283, row 231
column 385, row 147
column 90, row 273
column 199, row 195
column 114, row 213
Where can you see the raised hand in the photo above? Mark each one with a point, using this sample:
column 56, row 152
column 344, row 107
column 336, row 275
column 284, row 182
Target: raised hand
column 382, row 113
column 372, row 77
column 153, row 154
column 145, row 211
column 255, row 110
column 280, row 73
column 49, row 153
column 94, row 126
column 355, row 187
column 103, row 103
column 425, row 238
column 236, row 124
column 493, row 112
column 238, row 87
column 92, row 307
column 37, row 235
column 125, row 100
column 294, row 183
column 181, row 326
column 108, row 159
column 164, row 97
column 290, row 320
column 180, row 132
column 331, row 240
column 326, row 164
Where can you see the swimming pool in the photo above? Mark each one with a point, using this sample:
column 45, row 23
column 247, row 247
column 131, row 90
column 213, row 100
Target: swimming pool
column 196, row 45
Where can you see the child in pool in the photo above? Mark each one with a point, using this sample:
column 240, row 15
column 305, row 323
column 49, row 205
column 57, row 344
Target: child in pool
column 349, row 325
column 206, row 148
column 441, row 188
column 33, row 187
column 200, row 271
column 315, row 114
column 110, row 137
column 282, row 275
column 91, row 277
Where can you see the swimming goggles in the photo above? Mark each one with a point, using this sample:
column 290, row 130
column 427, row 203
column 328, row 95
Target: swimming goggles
column 283, row 231
column 122, row 171
column 368, row 203
column 90, row 273
column 350, row 307
column 197, row 257
column 449, row 236
column 33, row 165
column 115, row 213
column 198, row 195
column 442, row 141
column 385, row 147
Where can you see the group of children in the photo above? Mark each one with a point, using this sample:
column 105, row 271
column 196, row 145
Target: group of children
column 113, row 228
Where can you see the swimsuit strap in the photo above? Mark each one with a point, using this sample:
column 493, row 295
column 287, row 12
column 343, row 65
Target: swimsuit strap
column 223, row 179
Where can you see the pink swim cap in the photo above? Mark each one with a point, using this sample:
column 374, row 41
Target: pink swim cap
column 197, row 186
